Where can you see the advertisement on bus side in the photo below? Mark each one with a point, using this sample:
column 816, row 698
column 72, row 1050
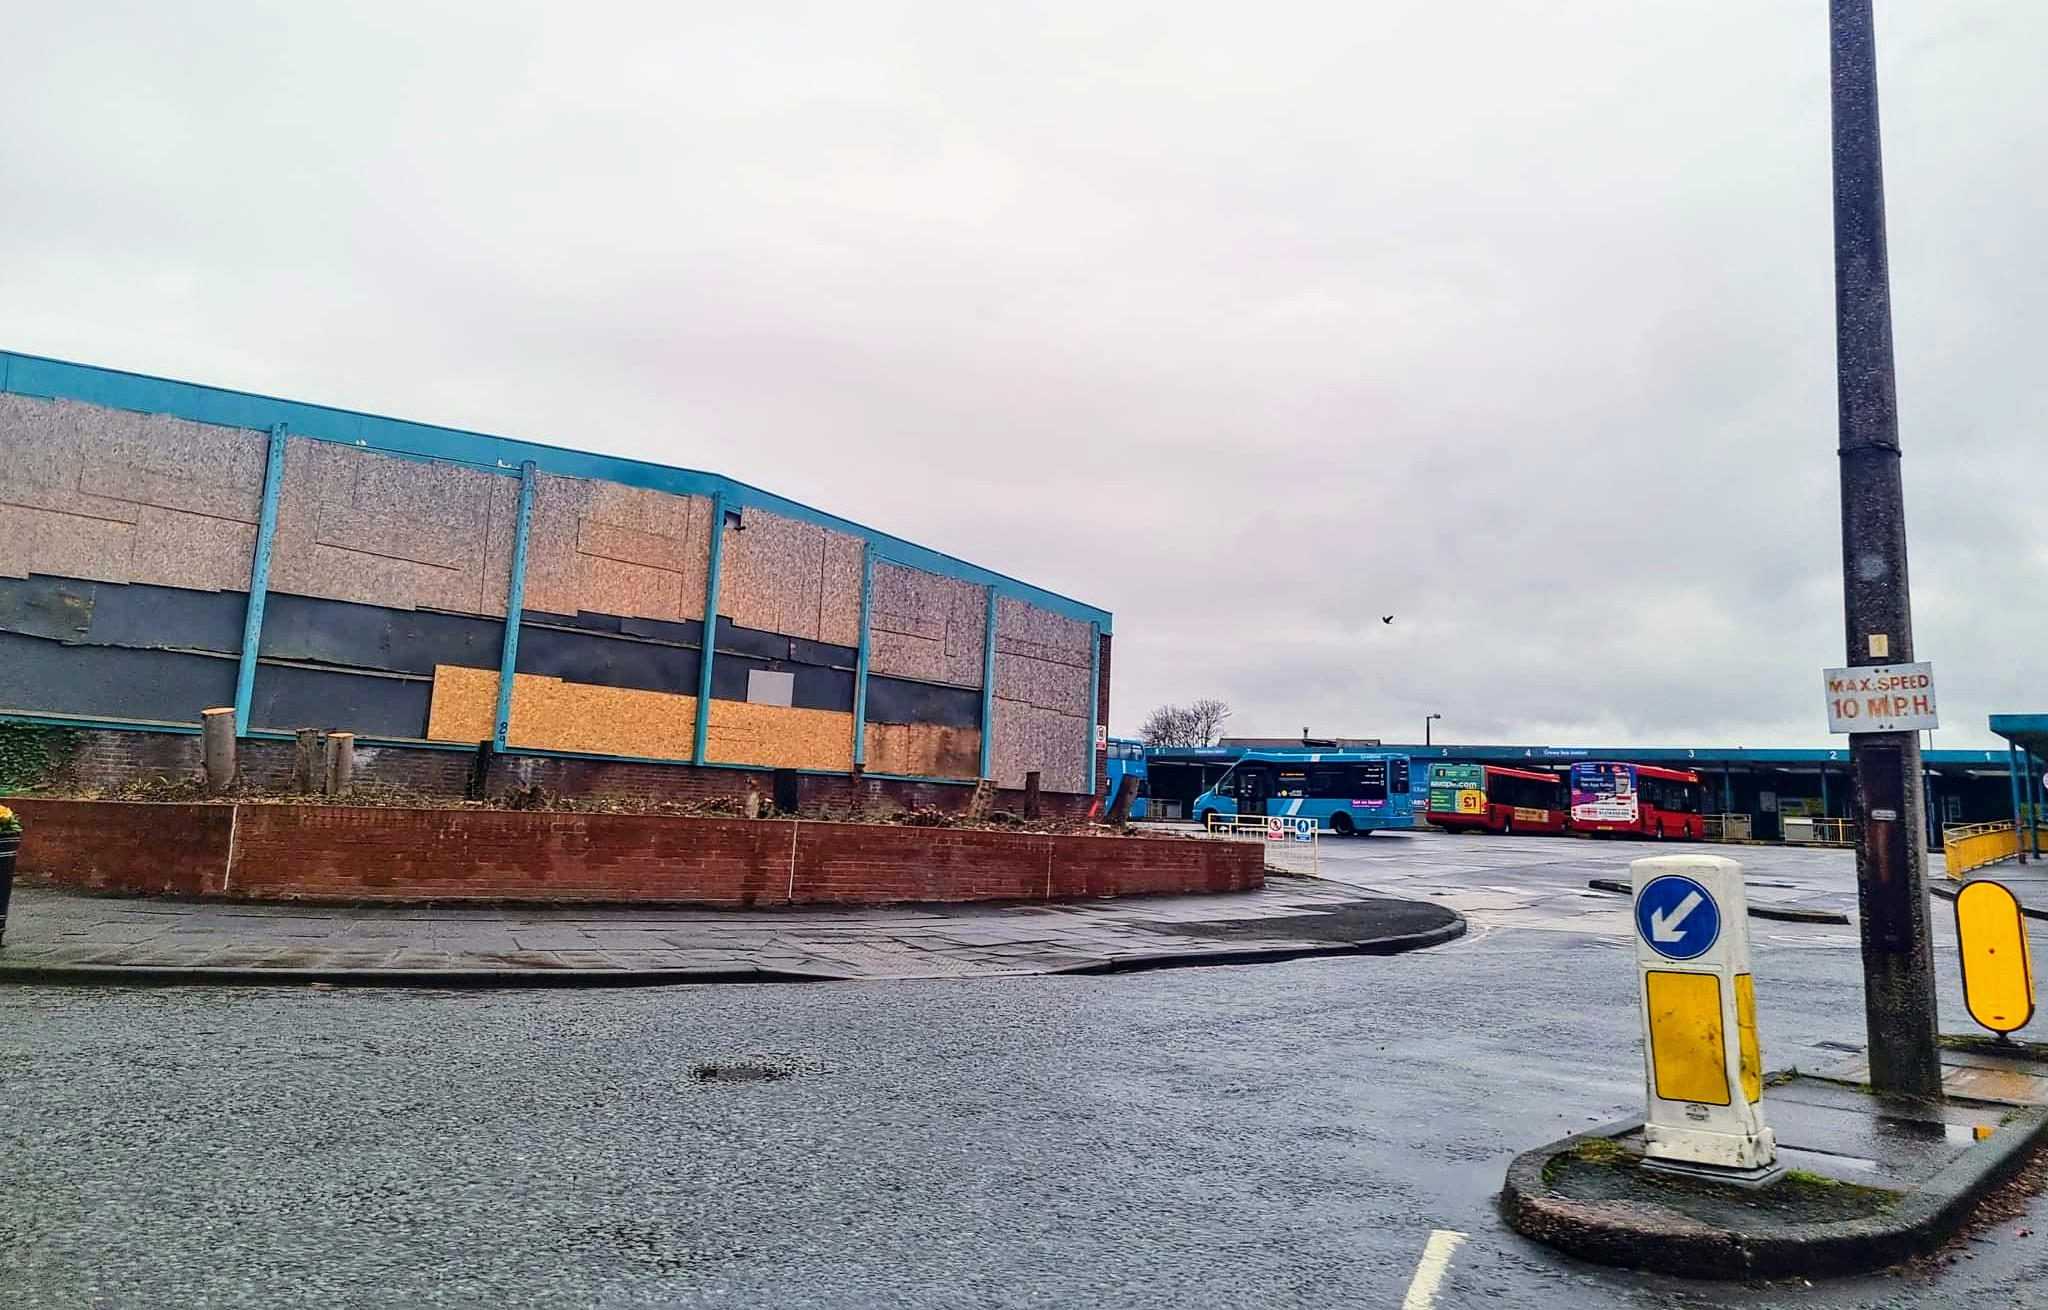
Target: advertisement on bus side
column 1603, row 793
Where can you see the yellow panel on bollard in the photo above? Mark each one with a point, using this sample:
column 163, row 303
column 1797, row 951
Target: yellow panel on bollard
column 1688, row 1054
column 1745, row 1025
column 1998, row 974
column 1699, row 1019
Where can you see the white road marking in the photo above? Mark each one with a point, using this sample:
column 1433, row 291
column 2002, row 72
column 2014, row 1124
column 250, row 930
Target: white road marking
column 1429, row 1275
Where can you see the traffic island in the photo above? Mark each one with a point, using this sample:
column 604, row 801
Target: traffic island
column 1868, row 1181
column 72, row 938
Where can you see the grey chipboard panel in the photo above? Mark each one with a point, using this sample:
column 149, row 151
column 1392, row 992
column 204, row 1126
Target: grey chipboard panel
column 115, row 496
column 612, row 549
column 355, row 525
column 784, row 575
column 926, row 627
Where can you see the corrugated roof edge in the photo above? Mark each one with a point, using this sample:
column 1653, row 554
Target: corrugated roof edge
column 57, row 379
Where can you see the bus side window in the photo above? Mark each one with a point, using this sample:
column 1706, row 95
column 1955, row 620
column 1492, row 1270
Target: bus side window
column 1322, row 785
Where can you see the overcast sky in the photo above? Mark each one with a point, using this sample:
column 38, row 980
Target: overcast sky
column 1248, row 322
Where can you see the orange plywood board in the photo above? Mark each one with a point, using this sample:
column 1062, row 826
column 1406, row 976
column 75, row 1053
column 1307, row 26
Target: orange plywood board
column 550, row 714
column 923, row 750
column 777, row 737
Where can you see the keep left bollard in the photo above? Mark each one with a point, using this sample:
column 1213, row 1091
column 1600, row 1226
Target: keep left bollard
column 1702, row 1067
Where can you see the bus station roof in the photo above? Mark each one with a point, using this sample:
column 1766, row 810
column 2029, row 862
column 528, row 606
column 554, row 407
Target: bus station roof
column 2029, row 732
column 1693, row 757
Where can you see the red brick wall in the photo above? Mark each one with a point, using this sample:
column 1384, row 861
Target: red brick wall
column 107, row 757
column 179, row 849
column 355, row 854
column 323, row 852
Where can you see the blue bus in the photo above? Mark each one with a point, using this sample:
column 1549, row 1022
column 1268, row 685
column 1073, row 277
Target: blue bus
column 1127, row 756
column 1343, row 791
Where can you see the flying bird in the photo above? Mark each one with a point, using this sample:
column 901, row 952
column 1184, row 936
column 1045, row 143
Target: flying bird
column 1386, row 618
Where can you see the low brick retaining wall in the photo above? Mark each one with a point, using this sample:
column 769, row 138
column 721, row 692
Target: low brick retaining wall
column 357, row 854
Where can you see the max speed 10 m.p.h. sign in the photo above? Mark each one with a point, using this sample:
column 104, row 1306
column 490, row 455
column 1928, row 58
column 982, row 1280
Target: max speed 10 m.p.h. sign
column 1884, row 698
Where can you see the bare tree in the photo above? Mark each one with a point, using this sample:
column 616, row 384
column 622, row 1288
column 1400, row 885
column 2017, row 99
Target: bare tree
column 1205, row 719
column 1195, row 724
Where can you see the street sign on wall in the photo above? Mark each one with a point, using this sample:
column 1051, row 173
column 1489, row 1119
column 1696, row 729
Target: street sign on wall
column 1884, row 698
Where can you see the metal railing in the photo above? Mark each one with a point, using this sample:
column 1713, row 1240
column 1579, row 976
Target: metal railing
column 1974, row 845
column 1727, row 827
column 1812, row 830
column 1293, row 843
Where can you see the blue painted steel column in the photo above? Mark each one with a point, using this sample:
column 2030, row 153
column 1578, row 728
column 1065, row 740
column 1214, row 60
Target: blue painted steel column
column 2034, row 801
column 710, row 639
column 860, row 671
column 1094, row 698
column 515, row 604
column 988, row 682
column 259, row 579
column 2012, row 774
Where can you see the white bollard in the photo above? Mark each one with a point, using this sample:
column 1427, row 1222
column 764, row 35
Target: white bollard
column 1702, row 1069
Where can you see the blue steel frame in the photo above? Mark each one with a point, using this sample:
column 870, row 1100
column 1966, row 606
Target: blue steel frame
column 988, row 684
column 515, row 604
column 860, row 671
column 1094, row 699
column 711, row 572
column 259, row 579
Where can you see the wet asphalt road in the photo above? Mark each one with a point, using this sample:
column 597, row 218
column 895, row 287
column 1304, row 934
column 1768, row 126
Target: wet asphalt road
column 1283, row 1135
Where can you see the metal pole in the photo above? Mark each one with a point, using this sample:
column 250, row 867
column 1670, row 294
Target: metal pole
column 1891, row 855
column 1095, row 706
column 515, row 604
column 2033, row 800
column 860, row 670
column 988, row 686
column 2012, row 774
column 259, row 578
column 714, row 562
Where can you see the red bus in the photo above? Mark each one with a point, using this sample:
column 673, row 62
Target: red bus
column 1637, row 798
column 1489, row 798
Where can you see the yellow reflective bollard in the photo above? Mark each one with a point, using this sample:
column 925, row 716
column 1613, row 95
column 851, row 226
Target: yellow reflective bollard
column 1998, row 974
column 1703, row 1071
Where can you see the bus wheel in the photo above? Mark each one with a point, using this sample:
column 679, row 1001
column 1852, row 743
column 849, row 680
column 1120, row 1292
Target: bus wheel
column 1340, row 824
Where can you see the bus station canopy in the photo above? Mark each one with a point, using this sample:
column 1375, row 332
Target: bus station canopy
column 2029, row 732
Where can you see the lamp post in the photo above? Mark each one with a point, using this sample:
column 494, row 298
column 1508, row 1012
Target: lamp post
column 1426, row 724
column 1891, row 856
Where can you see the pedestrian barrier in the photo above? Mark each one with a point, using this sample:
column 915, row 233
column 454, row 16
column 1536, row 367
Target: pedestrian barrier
column 1726, row 827
column 1807, row 830
column 1975, row 845
column 1293, row 842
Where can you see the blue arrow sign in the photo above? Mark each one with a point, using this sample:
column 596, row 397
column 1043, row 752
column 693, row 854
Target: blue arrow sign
column 1677, row 917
